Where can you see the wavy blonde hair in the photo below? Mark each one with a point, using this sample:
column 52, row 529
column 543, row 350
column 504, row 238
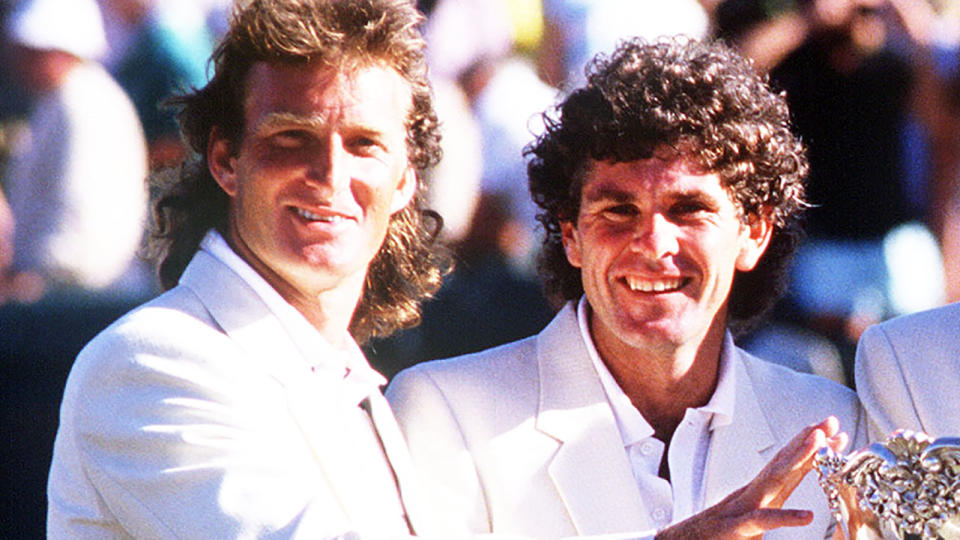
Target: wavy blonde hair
column 345, row 34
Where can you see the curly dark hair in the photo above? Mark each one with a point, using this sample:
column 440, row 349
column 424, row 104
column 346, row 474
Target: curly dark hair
column 344, row 34
column 709, row 104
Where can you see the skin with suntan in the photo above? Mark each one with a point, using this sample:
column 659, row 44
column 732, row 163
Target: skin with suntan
column 321, row 167
column 658, row 242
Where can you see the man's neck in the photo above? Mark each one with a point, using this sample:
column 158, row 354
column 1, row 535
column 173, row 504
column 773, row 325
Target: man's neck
column 329, row 310
column 663, row 384
column 333, row 324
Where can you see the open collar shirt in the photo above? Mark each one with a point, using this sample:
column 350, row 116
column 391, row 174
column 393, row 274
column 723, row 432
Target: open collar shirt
column 374, row 476
column 665, row 501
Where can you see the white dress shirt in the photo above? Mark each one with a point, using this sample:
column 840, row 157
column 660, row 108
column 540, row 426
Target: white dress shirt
column 666, row 502
column 375, row 479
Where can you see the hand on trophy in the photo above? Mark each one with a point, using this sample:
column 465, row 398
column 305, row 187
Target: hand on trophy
column 758, row 506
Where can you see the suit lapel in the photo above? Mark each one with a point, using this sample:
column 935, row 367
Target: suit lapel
column 247, row 320
column 422, row 521
column 590, row 471
column 739, row 450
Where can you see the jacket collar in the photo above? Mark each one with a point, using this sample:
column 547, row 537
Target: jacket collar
column 311, row 396
column 744, row 445
column 591, row 471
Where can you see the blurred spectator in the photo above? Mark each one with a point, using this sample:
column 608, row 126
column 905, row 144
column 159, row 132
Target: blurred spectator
column 505, row 96
column 454, row 183
column 157, row 48
column 576, row 30
column 6, row 239
column 216, row 14
column 854, row 73
column 459, row 32
column 14, row 100
column 75, row 180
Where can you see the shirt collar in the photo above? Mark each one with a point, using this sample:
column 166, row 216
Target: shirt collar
column 350, row 363
column 722, row 403
column 633, row 426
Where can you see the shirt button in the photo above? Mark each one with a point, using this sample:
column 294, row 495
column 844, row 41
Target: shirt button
column 647, row 448
column 660, row 515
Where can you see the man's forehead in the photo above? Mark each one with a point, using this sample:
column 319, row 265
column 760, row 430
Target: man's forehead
column 321, row 75
column 679, row 172
column 313, row 93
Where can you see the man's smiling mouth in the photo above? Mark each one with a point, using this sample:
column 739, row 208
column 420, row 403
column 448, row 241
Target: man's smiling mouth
column 324, row 218
column 655, row 285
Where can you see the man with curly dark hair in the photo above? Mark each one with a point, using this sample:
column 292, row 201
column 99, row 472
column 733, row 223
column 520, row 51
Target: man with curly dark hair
column 670, row 186
column 238, row 404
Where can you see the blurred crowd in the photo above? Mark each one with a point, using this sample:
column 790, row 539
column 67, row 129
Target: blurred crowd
column 874, row 88
column 872, row 85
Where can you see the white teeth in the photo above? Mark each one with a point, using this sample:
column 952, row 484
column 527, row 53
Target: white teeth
column 653, row 286
column 305, row 214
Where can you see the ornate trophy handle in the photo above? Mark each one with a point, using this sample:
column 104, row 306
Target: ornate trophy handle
column 903, row 488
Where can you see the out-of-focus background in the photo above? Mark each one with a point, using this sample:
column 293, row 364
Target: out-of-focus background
column 874, row 87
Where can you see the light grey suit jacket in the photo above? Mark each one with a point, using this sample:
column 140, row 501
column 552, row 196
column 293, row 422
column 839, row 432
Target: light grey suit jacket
column 196, row 416
column 908, row 373
column 520, row 439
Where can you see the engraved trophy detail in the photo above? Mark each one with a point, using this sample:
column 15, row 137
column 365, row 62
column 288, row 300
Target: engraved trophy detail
column 906, row 487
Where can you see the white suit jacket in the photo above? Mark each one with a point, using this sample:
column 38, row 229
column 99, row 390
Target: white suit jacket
column 521, row 439
column 196, row 416
column 908, row 373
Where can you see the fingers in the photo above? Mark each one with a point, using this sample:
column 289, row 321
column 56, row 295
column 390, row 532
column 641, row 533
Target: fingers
column 718, row 523
column 722, row 523
column 839, row 441
column 788, row 468
column 757, row 507
column 765, row 519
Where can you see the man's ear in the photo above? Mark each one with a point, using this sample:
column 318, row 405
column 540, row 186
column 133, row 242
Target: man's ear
column 405, row 190
column 571, row 243
column 221, row 162
column 756, row 237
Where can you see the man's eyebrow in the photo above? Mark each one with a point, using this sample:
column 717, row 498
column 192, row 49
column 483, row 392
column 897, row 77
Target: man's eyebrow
column 607, row 193
column 315, row 122
column 694, row 195
column 687, row 194
column 287, row 119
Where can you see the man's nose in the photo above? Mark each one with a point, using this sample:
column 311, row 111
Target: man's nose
column 656, row 237
column 329, row 165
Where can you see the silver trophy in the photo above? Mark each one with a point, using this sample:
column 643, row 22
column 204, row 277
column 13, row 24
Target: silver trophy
column 907, row 487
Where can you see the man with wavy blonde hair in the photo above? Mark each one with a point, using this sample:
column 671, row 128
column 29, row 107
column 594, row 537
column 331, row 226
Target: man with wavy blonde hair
column 238, row 404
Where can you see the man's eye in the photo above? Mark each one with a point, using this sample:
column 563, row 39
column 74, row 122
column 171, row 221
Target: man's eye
column 290, row 139
column 689, row 208
column 620, row 211
column 362, row 143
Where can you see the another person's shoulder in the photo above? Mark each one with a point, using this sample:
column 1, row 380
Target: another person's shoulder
column 916, row 326
column 490, row 368
column 776, row 375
